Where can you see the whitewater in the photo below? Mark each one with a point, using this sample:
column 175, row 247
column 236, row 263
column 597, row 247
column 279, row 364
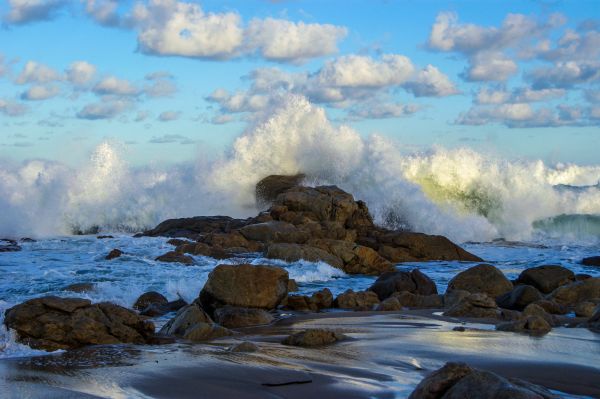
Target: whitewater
column 514, row 214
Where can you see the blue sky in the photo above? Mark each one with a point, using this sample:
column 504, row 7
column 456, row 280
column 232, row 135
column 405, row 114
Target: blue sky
column 169, row 79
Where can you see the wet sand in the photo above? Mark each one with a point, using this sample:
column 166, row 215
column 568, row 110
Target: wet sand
column 386, row 356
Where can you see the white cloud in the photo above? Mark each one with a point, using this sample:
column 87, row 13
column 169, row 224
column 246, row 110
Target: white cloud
column 490, row 66
column 40, row 92
column 565, row 74
column 491, row 96
column 238, row 102
column 103, row 110
column 161, row 85
column 382, row 111
column 527, row 94
column 34, row 72
column 105, row 12
column 287, row 41
column 114, row 86
column 222, row 119
column 25, row 11
column 11, row 108
column 168, row 116
column 430, row 82
column 80, row 73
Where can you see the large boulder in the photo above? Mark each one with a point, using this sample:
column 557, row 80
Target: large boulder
column 244, row 286
column 194, row 324
column 476, row 306
column 314, row 337
column 296, row 252
column 195, row 227
column 580, row 291
column 398, row 281
column 52, row 323
column 363, row 300
column 532, row 325
column 546, row 278
column 232, row 317
column 149, row 298
column 481, row 279
column 274, row 231
column 270, row 187
column 319, row 300
column 356, row 259
column 458, row 381
column 202, row 249
column 519, row 297
column 176, row 257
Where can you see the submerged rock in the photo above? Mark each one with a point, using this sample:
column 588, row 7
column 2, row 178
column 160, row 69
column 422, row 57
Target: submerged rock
column 195, row 227
column 245, row 286
column 115, row 253
column 482, row 278
column 458, row 381
column 149, row 298
column 7, row 245
column 52, row 323
column 80, row 287
column 314, row 337
column 245, row 346
column 414, row 282
column 176, row 257
column 546, row 278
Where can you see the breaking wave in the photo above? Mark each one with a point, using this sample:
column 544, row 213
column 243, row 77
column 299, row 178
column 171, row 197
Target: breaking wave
column 459, row 193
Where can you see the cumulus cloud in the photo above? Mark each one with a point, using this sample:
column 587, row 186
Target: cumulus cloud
column 171, row 138
column 11, row 108
column 565, row 74
column 40, row 92
column 168, row 116
column 25, row 11
column 112, row 85
column 490, row 66
column 286, row 41
column 34, row 72
column 80, row 73
column 430, row 82
column 103, row 110
column 382, row 111
column 487, row 95
column 161, row 84
column 105, row 12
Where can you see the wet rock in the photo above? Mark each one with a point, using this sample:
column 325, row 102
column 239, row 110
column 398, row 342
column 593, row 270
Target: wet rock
column 245, row 346
column 205, row 332
column 80, row 287
column 322, row 299
column 576, row 292
column 536, row 310
column 231, row 242
column 296, row 252
column 363, row 300
column 8, row 245
column 594, row 322
column 200, row 248
column 591, row 261
column 451, row 298
column 356, row 259
column 274, row 231
column 233, row 317
column 519, row 297
column 585, row 309
column 195, row 227
column 582, row 276
column 115, row 253
column 176, row 257
column 193, row 323
column 533, row 325
column 270, row 187
column 482, row 278
column 52, row 323
column 319, row 300
column 27, row 239
column 416, row 301
column 245, row 286
column 149, row 298
column 178, row 241
column 105, row 237
column 552, row 307
column 476, row 306
column 546, row 278
column 314, row 337
column 389, row 305
column 458, row 381
column 414, row 282
column 292, row 285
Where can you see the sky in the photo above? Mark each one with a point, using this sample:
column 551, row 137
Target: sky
column 169, row 79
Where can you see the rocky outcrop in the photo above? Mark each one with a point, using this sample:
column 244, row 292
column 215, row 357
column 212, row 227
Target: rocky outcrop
column 364, row 300
column 176, row 257
column 233, row 317
column 244, row 286
column 546, row 278
column 519, row 297
column 482, row 278
column 398, row 281
column 195, row 227
column 275, row 231
column 296, row 252
column 270, row 187
column 314, row 337
column 458, row 381
column 52, row 323
column 591, row 261
column 115, row 253
column 356, row 259
column 476, row 306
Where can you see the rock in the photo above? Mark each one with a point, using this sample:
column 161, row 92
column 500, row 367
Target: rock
column 451, row 298
column 52, row 323
column 585, row 309
column 410, row 300
column 319, row 300
column 200, row 248
column 178, row 241
column 389, row 305
column 482, row 278
column 176, row 257
column 195, row 227
column 582, row 276
column 8, row 245
column 295, row 252
column 402, row 246
column 576, row 292
column 546, row 278
column 551, row 307
column 534, row 325
column 364, row 300
column 436, row 384
column 270, row 187
column 80, row 287
column 245, row 286
column 591, row 261
column 245, row 346
column 314, row 337
column 536, row 310
column 193, row 323
column 322, row 299
column 205, row 332
column 274, row 231
column 594, row 322
column 149, row 298
column 115, row 253
column 292, row 285
column 233, row 317
column 519, row 297
column 476, row 306
column 356, row 259
column 231, row 242
column 414, row 282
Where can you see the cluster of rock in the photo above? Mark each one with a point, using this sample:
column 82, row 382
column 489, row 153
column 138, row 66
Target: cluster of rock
column 312, row 223
column 9, row 245
column 458, row 380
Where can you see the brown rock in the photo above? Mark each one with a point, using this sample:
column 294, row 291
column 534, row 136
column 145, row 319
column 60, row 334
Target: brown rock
column 414, row 282
column 314, row 337
column 185, row 319
column 552, row 307
column 195, row 227
column 519, row 297
column 585, row 309
column 52, row 323
column 115, row 253
column 410, row 300
column 476, row 306
column 80, row 287
column 576, row 292
column 244, row 286
column 200, row 248
column 451, row 298
column 270, row 187
column 389, row 305
column 148, row 299
column 364, row 300
column 319, row 300
column 232, row 317
column 546, row 278
column 591, row 261
column 205, row 332
column 481, row 279
column 245, row 346
column 533, row 325
column 436, row 384
column 176, row 257
column 178, row 241
column 356, row 259
column 292, row 285
column 535, row 310
column 296, row 252
column 231, row 241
